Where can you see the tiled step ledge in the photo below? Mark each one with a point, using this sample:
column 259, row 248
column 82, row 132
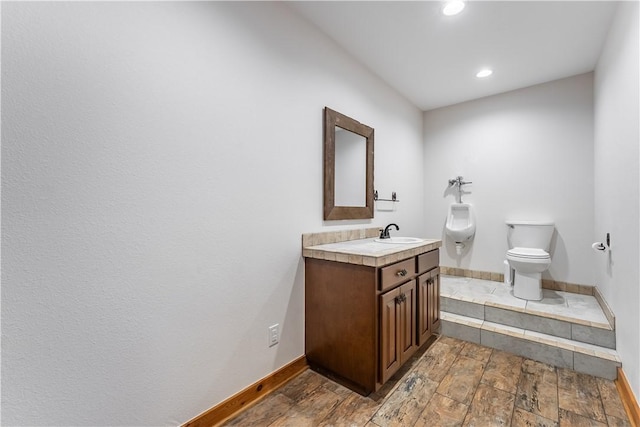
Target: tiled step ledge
column 595, row 333
column 593, row 360
column 546, row 284
column 499, row 277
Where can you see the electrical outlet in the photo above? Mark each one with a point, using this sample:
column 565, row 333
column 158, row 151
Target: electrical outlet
column 274, row 334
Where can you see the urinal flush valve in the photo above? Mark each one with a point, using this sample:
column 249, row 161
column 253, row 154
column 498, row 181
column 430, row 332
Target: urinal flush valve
column 459, row 182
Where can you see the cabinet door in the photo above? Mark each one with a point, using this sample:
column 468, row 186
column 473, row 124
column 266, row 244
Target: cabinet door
column 435, row 299
column 425, row 307
column 389, row 320
column 407, row 321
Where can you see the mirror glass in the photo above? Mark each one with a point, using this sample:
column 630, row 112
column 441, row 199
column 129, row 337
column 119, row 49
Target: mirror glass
column 348, row 167
column 351, row 168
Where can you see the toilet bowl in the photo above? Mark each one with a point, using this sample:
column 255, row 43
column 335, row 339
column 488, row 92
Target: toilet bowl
column 528, row 263
column 529, row 256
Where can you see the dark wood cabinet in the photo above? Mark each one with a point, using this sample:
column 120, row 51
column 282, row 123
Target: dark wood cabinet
column 363, row 323
column 389, row 320
column 435, row 300
column 397, row 328
column 428, row 304
column 425, row 305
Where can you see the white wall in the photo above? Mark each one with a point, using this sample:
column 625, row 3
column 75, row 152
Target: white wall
column 617, row 187
column 159, row 164
column 529, row 154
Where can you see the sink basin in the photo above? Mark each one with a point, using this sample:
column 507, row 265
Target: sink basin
column 400, row 240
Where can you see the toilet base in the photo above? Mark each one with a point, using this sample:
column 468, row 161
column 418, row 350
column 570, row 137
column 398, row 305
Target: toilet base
column 527, row 286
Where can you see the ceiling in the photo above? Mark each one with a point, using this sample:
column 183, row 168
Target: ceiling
column 432, row 59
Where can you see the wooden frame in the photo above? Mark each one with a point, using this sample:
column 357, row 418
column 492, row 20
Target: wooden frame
column 331, row 211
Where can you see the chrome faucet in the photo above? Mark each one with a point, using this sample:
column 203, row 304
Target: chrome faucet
column 384, row 234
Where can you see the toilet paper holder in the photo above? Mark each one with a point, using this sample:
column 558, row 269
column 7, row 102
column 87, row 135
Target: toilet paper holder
column 599, row 246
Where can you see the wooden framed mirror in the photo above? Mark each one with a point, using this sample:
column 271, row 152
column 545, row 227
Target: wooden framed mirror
column 348, row 167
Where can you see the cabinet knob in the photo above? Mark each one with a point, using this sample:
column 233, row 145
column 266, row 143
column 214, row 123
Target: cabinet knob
column 400, row 298
column 402, row 273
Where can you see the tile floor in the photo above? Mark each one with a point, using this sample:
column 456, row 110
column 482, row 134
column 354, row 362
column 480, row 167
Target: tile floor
column 448, row 383
column 556, row 304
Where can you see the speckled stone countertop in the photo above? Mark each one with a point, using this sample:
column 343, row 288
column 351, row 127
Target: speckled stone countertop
column 363, row 251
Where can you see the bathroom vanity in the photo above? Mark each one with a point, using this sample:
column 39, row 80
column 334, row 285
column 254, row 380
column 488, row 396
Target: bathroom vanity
column 368, row 305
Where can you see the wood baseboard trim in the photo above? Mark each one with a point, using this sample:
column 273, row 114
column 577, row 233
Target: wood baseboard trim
column 249, row 396
column 628, row 399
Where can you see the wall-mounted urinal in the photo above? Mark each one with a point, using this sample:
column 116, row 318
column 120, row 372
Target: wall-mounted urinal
column 461, row 224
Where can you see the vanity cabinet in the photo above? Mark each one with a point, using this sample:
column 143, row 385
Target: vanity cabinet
column 362, row 323
column 428, row 304
column 397, row 328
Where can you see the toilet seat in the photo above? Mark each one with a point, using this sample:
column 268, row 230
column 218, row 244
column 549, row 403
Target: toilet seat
column 528, row 253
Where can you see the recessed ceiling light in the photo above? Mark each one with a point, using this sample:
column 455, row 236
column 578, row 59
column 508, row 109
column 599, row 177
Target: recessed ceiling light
column 453, row 7
column 484, row 73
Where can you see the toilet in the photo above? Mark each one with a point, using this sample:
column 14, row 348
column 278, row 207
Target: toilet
column 528, row 256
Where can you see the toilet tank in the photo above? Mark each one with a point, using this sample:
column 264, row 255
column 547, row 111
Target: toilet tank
column 530, row 234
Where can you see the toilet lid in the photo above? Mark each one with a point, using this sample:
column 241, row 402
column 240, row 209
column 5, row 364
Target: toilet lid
column 532, row 253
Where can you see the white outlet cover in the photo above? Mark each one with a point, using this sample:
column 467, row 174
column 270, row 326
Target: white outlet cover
column 273, row 335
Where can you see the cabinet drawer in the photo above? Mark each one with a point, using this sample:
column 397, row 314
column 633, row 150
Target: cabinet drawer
column 428, row 261
column 397, row 273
